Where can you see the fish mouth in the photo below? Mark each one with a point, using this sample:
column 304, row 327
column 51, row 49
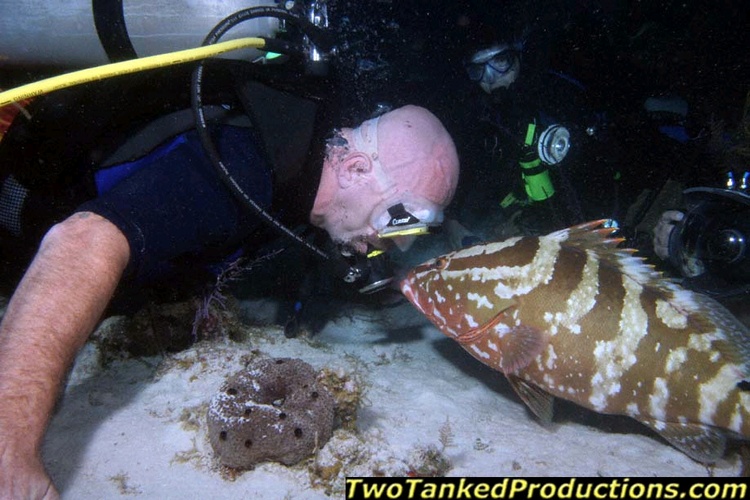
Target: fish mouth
column 405, row 285
column 411, row 291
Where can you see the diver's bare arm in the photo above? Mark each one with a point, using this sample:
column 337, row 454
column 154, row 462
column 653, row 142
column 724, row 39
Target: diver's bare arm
column 54, row 309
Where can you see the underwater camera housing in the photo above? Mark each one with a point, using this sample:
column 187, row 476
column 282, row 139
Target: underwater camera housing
column 716, row 231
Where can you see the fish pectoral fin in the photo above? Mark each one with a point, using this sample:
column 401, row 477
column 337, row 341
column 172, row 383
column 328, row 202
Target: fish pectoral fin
column 702, row 443
column 476, row 334
column 520, row 346
column 537, row 400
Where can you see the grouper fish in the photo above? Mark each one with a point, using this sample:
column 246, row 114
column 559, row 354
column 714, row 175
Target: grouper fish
column 571, row 315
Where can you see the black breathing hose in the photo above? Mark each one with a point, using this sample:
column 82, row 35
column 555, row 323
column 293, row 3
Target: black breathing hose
column 200, row 119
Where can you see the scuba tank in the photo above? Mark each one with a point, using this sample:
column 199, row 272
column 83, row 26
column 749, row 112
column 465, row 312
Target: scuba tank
column 83, row 33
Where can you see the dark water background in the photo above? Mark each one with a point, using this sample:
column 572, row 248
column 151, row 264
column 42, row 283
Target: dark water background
column 621, row 51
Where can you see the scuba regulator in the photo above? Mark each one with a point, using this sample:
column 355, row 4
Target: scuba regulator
column 368, row 273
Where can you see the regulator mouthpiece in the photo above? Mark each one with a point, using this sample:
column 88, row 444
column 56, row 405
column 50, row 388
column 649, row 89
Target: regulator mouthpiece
column 369, row 273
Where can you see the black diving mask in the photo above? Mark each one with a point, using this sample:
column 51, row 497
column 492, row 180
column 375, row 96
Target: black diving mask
column 401, row 223
column 499, row 58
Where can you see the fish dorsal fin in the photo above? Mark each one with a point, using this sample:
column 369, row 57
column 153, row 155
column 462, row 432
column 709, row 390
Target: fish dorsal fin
column 700, row 442
column 537, row 400
column 592, row 237
column 705, row 313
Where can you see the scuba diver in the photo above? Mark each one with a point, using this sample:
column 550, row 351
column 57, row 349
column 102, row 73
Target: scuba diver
column 135, row 181
column 540, row 120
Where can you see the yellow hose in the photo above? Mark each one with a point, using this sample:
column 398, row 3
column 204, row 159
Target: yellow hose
column 125, row 67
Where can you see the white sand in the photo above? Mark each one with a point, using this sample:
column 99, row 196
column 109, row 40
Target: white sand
column 137, row 428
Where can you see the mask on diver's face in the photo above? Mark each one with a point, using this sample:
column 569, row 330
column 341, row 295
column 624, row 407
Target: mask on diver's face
column 402, row 226
column 373, row 271
column 493, row 68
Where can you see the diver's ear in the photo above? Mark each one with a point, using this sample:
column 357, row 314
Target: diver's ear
column 353, row 168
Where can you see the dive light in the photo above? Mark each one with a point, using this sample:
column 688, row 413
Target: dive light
column 553, row 144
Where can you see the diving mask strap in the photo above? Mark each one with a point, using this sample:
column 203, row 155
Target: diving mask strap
column 367, row 145
column 365, row 139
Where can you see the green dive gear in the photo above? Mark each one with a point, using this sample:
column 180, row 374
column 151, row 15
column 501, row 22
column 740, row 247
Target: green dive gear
column 535, row 173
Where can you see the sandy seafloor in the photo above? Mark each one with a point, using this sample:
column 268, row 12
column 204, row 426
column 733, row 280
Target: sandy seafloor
column 137, row 428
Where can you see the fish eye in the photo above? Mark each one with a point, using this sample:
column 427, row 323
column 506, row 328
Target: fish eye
column 440, row 263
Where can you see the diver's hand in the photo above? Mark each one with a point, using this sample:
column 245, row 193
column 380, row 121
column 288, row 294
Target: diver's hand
column 22, row 476
column 663, row 231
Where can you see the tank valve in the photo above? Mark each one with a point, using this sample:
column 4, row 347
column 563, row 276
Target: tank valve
column 317, row 58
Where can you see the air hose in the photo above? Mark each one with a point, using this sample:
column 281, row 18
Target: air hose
column 132, row 66
column 202, row 127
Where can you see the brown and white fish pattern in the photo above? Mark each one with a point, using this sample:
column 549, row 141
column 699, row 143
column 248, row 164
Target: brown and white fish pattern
column 570, row 315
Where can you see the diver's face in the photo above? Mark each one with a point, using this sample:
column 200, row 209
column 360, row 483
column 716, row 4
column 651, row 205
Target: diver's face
column 351, row 193
column 350, row 226
column 369, row 211
column 493, row 68
column 382, row 177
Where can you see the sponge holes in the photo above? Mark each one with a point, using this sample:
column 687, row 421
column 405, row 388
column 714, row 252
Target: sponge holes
column 273, row 410
column 223, row 437
column 298, row 433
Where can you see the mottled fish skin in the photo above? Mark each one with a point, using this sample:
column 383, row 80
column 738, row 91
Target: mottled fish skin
column 572, row 316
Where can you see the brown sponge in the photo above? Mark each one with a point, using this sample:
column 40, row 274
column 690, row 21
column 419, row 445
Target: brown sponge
column 274, row 410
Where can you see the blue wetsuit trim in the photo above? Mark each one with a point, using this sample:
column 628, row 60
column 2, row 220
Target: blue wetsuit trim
column 107, row 178
column 172, row 207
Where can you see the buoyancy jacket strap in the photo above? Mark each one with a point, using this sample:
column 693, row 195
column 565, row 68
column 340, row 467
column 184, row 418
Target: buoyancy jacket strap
column 109, row 19
column 156, row 132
